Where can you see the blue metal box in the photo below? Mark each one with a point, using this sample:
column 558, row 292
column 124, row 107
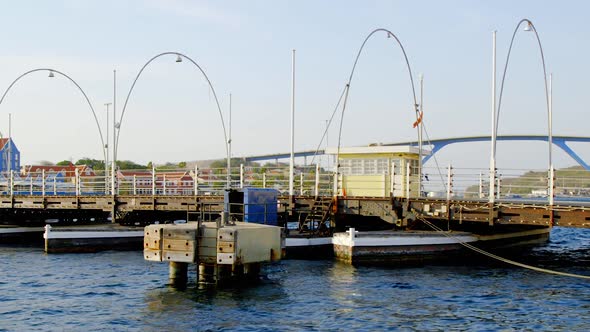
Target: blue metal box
column 260, row 205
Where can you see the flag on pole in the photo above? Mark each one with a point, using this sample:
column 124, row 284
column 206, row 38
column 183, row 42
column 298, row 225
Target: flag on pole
column 418, row 121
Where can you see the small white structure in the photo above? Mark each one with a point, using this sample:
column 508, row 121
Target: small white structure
column 378, row 171
column 385, row 247
column 395, row 247
column 539, row 192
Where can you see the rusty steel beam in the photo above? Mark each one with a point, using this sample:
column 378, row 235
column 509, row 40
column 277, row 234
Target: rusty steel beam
column 462, row 211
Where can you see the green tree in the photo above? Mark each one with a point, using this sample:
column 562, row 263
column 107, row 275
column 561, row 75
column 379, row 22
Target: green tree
column 127, row 164
column 93, row 163
column 234, row 162
column 218, row 164
column 64, row 163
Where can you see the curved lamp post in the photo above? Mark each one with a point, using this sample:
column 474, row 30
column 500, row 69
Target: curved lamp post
column 179, row 57
column 52, row 73
column 528, row 27
column 416, row 106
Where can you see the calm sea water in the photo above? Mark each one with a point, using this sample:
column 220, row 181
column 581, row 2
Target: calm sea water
column 119, row 291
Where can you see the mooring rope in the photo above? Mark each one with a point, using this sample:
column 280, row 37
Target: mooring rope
column 502, row 259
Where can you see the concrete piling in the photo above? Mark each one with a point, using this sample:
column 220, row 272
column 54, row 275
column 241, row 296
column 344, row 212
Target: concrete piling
column 222, row 254
column 178, row 273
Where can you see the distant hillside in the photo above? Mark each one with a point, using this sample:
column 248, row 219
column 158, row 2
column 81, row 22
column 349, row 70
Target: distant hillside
column 200, row 163
column 219, row 163
column 571, row 180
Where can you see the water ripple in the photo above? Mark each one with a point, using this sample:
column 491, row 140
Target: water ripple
column 113, row 291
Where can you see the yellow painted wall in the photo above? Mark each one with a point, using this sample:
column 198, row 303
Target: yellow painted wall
column 377, row 186
column 378, row 155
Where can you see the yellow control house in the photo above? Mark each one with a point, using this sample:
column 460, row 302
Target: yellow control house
column 378, row 171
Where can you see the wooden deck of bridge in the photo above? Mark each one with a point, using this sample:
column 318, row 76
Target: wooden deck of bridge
column 394, row 210
column 403, row 211
column 122, row 203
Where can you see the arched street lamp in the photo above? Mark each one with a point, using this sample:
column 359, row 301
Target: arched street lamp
column 52, row 73
column 415, row 106
column 528, row 27
column 179, row 57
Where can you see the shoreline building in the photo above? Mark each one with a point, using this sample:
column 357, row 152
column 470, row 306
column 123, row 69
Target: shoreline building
column 9, row 155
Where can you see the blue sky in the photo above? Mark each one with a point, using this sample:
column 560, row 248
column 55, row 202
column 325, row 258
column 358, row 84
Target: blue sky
column 245, row 49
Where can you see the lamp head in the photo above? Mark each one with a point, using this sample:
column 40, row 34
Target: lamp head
column 51, row 73
column 528, row 26
column 178, row 58
column 388, row 35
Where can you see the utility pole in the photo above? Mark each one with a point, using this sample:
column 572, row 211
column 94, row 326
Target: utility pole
column 9, row 159
column 292, row 157
column 492, row 192
column 114, row 161
column 106, row 146
column 229, row 139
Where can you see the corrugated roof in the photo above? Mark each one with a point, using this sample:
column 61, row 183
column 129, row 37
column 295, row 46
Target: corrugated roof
column 3, row 142
column 69, row 169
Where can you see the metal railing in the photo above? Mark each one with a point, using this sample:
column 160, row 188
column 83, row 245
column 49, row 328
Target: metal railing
column 309, row 180
column 262, row 213
column 468, row 183
column 510, row 184
column 266, row 213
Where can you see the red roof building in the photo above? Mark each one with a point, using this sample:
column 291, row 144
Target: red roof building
column 66, row 171
column 166, row 183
